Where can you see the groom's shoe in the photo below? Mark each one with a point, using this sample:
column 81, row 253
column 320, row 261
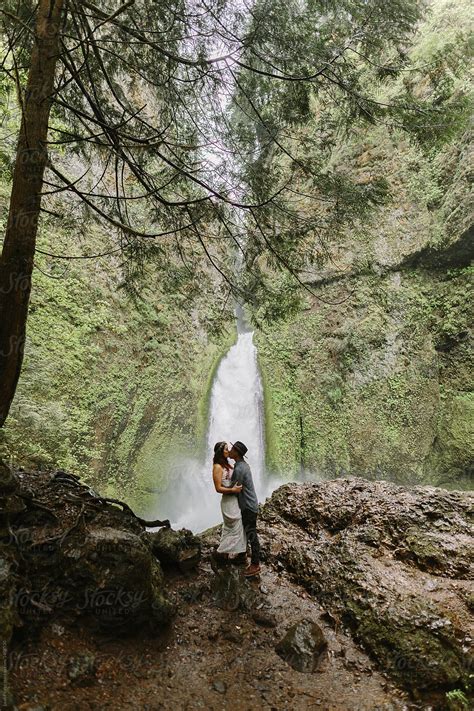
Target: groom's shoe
column 252, row 570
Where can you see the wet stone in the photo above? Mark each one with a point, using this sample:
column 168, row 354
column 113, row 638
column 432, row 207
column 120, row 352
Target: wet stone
column 302, row 646
column 264, row 619
column 219, row 686
column 175, row 549
column 231, row 591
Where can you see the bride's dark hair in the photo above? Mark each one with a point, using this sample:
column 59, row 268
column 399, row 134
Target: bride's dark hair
column 219, row 454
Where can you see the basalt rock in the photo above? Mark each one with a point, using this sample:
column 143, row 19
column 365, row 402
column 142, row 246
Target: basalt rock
column 175, row 549
column 302, row 646
column 232, row 591
column 73, row 555
column 264, row 619
column 120, row 582
column 391, row 563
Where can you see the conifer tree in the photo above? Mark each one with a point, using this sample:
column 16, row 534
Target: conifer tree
column 182, row 114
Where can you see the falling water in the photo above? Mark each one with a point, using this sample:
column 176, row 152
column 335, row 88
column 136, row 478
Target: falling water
column 235, row 413
column 236, row 404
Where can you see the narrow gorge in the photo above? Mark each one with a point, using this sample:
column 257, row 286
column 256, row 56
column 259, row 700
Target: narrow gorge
column 236, row 222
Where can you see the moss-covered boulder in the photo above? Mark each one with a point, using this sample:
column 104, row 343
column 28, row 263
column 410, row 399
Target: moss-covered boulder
column 117, row 580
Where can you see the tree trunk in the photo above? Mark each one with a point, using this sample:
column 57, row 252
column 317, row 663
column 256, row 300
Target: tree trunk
column 16, row 262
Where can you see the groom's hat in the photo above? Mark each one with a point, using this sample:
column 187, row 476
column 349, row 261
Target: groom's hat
column 240, row 447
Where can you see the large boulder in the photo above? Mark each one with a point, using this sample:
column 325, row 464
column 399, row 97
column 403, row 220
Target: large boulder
column 390, row 562
column 119, row 581
column 79, row 555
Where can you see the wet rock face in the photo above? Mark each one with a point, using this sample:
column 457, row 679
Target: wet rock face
column 231, row 591
column 302, row 646
column 392, row 563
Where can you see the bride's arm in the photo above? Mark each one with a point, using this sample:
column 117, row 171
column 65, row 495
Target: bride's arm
column 217, row 476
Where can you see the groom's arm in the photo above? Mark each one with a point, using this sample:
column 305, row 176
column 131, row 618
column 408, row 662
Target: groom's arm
column 217, row 477
column 231, row 489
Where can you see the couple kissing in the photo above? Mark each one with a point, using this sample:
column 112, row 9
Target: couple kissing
column 239, row 506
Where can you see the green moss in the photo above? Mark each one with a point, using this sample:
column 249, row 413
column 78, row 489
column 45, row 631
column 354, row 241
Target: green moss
column 365, row 389
column 456, row 700
column 102, row 374
column 282, row 400
column 380, row 384
column 271, row 458
column 453, row 453
column 419, row 659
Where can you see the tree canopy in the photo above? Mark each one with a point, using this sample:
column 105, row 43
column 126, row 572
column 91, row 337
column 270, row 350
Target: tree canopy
column 195, row 130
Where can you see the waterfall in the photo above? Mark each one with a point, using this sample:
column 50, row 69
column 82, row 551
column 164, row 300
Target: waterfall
column 235, row 413
column 236, row 404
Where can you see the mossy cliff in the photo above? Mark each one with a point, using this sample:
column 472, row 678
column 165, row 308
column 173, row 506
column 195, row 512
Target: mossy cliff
column 113, row 379
column 379, row 383
column 376, row 383
column 109, row 387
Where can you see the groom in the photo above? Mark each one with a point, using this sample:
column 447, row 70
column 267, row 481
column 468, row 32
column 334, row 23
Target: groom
column 248, row 504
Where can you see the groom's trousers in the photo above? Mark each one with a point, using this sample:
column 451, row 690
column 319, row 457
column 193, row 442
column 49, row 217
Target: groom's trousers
column 249, row 519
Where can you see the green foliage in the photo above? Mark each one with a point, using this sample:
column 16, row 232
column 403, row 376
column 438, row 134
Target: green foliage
column 457, row 700
column 405, row 103
column 371, row 376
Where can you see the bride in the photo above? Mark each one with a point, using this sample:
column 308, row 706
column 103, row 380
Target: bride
column 233, row 539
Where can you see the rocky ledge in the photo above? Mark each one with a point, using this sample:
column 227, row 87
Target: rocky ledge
column 364, row 601
column 67, row 553
column 393, row 564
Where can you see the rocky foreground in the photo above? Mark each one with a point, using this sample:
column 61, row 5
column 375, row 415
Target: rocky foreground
column 393, row 564
column 364, row 602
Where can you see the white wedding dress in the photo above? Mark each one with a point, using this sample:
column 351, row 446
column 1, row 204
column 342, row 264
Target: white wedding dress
column 233, row 538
